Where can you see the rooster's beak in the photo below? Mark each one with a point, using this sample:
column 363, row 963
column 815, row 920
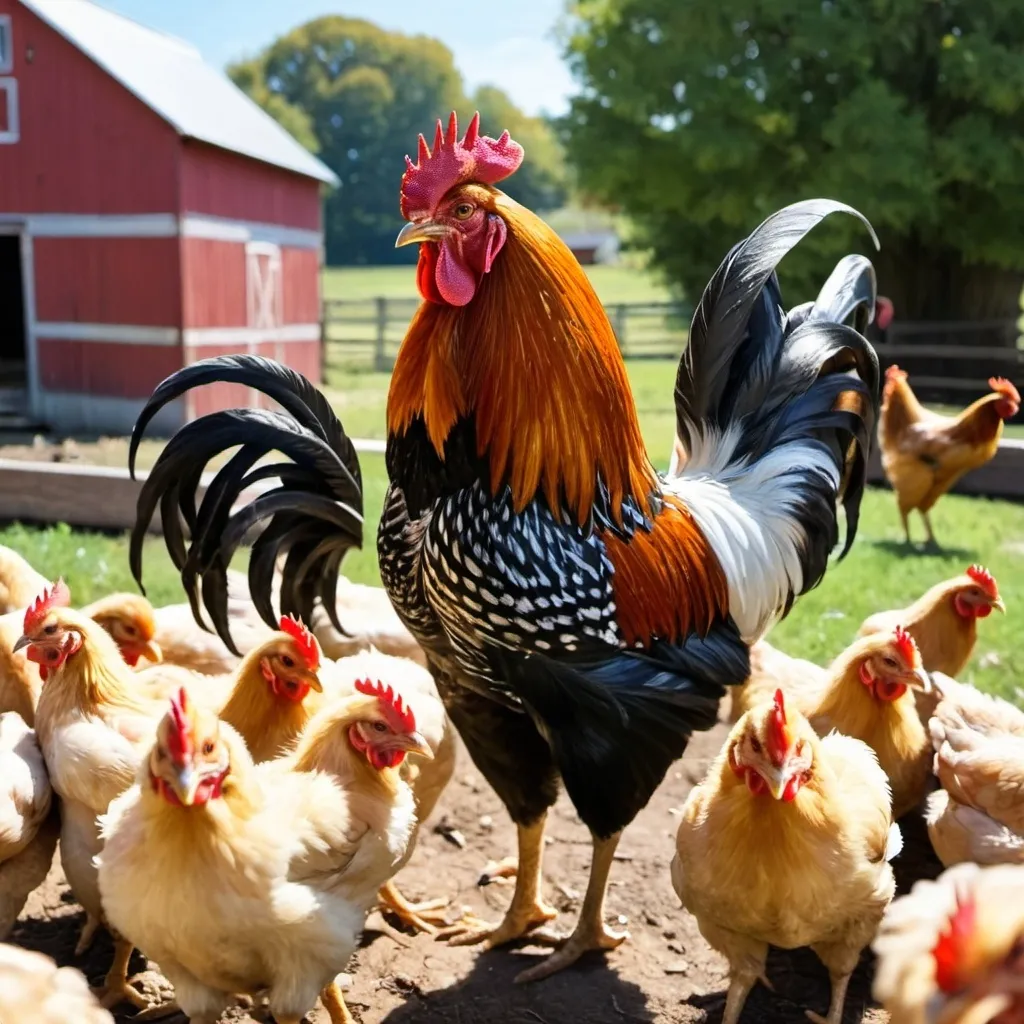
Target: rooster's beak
column 415, row 743
column 420, row 231
column 23, row 642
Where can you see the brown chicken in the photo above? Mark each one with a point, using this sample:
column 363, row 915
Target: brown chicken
column 787, row 842
column 28, row 820
column 802, row 681
column 978, row 815
column 266, row 872
column 93, row 729
column 871, row 698
column 925, row 454
column 944, row 624
column 952, row 951
column 20, row 584
column 268, row 699
column 34, row 990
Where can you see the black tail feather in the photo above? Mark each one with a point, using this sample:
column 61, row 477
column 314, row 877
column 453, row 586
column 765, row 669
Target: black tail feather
column 312, row 518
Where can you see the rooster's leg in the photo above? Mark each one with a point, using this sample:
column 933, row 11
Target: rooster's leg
column 591, row 932
column 115, row 988
column 527, row 910
column 422, row 917
column 334, row 1004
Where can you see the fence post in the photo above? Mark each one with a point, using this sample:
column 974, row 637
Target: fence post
column 382, row 331
column 619, row 325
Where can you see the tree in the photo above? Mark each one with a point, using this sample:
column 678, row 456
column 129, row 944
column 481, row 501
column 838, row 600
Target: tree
column 700, row 117
column 358, row 96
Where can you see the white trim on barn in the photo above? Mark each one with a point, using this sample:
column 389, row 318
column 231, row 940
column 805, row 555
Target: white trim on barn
column 163, row 225
column 9, row 89
column 194, row 337
column 199, row 337
column 121, row 334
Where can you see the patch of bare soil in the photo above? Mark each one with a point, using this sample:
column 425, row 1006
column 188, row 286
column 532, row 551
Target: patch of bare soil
column 664, row 973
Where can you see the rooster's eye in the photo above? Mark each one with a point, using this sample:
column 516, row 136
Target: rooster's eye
column 755, row 746
column 287, row 661
column 464, row 211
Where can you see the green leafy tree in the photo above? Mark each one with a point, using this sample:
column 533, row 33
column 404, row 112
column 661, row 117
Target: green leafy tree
column 358, row 95
column 700, row 117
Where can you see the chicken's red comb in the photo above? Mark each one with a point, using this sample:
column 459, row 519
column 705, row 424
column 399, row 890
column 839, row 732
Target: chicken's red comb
column 893, row 373
column 453, row 162
column 952, row 947
column 778, row 731
column 984, row 579
column 58, row 596
column 304, row 641
column 1005, row 388
column 179, row 737
column 907, row 646
column 399, row 716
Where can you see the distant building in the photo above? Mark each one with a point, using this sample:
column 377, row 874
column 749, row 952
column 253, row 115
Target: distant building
column 593, row 246
column 150, row 215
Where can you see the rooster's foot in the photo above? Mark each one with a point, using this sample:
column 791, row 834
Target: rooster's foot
column 583, row 940
column 520, row 923
column 508, row 867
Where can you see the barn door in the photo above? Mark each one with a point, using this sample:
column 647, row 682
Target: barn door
column 264, row 296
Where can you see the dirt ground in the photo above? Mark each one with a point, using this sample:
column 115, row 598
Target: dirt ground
column 664, row 973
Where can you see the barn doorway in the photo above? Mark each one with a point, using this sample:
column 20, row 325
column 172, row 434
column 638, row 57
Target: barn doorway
column 13, row 375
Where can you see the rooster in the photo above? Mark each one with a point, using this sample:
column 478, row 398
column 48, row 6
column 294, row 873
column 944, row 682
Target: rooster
column 924, row 454
column 581, row 615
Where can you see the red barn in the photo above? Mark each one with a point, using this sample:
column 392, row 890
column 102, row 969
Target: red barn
column 150, row 215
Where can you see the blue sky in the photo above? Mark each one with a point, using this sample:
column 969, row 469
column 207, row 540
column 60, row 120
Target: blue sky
column 510, row 46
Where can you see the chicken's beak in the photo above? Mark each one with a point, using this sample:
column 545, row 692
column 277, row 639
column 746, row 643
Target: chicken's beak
column 186, row 782
column 150, row 650
column 23, row 642
column 313, row 681
column 999, row 605
column 920, row 680
column 415, row 743
column 776, row 781
column 420, row 231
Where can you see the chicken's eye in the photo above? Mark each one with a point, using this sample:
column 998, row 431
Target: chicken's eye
column 50, row 630
column 130, row 630
column 755, row 746
column 380, row 727
column 890, row 663
column 288, row 661
column 208, row 747
column 464, row 211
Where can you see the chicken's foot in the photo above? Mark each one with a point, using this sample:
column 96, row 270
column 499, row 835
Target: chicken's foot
column 162, row 1010
column 840, row 984
column 116, row 989
column 591, row 931
column 527, row 910
column 334, row 1004
column 421, row 917
column 89, row 930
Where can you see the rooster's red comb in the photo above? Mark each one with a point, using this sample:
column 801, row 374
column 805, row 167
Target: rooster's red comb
column 58, row 596
column 399, row 716
column 984, row 579
column 454, row 162
column 778, row 738
column 304, row 641
column 951, row 949
column 1005, row 388
column 179, row 736
column 906, row 645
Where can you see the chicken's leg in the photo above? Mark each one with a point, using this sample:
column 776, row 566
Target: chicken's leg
column 423, row 917
column 591, row 932
column 736, row 998
column 334, row 1004
column 527, row 910
column 840, row 983
column 906, row 525
column 115, row 988
column 930, row 538
column 89, row 929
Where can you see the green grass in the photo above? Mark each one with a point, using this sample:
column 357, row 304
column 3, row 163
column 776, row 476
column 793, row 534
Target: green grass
column 620, row 283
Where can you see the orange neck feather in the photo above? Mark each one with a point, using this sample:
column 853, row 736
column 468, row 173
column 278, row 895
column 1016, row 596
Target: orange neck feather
column 533, row 359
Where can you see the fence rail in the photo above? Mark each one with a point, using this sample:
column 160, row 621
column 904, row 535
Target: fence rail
column 364, row 334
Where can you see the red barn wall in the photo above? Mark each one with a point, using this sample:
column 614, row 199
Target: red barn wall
column 87, row 145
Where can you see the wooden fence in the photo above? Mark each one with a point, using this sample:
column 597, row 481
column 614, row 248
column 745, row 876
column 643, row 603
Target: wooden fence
column 364, row 334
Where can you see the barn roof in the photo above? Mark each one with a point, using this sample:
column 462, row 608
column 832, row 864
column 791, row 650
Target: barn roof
column 172, row 79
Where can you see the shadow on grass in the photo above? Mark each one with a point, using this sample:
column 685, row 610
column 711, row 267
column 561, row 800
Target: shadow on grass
column 901, row 549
